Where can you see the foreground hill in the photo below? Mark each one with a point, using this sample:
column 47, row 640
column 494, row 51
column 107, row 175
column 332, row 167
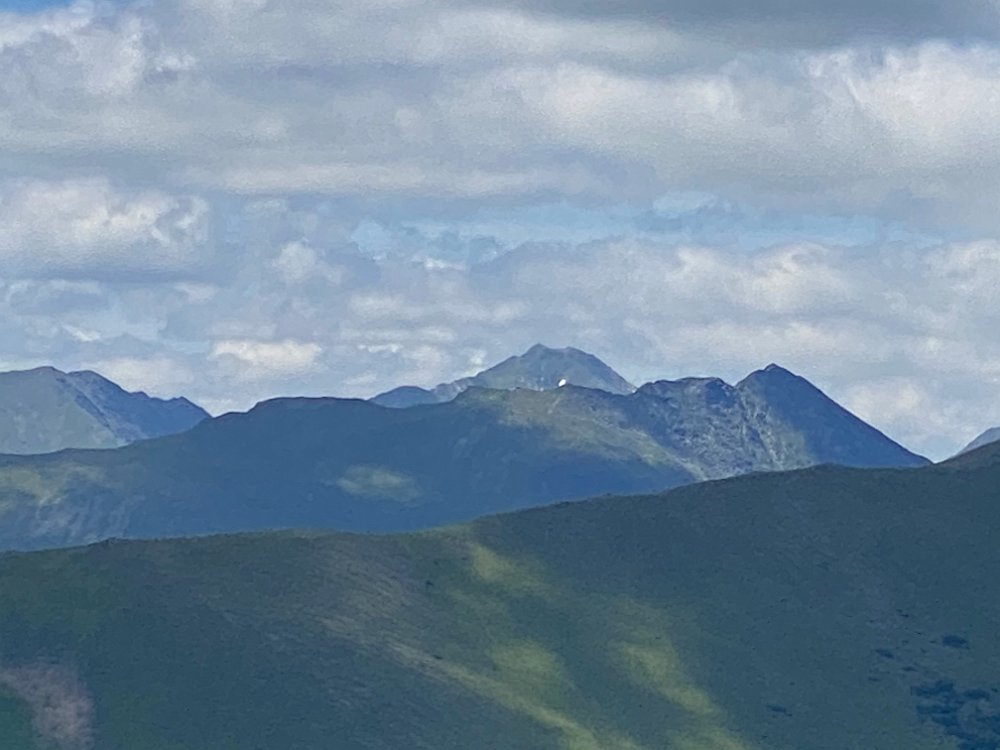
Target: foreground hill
column 44, row 410
column 822, row 609
column 538, row 369
column 354, row 466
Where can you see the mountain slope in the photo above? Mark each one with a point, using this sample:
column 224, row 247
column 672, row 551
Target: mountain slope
column 781, row 397
column 45, row 410
column 815, row 610
column 990, row 436
column 355, row 466
column 538, row 369
column 333, row 463
column 771, row 420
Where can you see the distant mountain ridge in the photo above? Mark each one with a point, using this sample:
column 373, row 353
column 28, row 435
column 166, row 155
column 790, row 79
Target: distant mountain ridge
column 991, row 435
column 44, row 410
column 773, row 419
column 540, row 368
column 356, row 466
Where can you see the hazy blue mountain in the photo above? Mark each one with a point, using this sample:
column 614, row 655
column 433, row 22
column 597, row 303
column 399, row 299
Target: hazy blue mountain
column 538, row 369
column 44, row 410
column 776, row 396
column 821, row 609
column 356, row 466
column 990, row 436
column 771, row 420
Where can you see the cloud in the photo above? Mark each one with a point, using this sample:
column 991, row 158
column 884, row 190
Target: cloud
column 251, row 360
column 903, row 336
column 795, row 23
column 158, row 375
column 861, row 322
column 413, row 101
column 89, row 229
column 239, row 199
column 299, row 263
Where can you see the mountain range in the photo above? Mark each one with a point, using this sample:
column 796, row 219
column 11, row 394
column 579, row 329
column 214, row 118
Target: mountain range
column 540, row 368
column 357, row 466
column 818, row 609
column 44, row 410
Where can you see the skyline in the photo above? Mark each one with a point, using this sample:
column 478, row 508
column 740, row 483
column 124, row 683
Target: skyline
column 238, row 200
column 379, row 397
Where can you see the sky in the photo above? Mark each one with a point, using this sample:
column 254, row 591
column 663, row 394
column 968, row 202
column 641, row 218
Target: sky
column 239, row 199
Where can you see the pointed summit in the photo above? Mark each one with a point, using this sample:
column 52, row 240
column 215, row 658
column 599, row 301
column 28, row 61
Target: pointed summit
column 783, row 401
column 540, row 368
column 773, row 373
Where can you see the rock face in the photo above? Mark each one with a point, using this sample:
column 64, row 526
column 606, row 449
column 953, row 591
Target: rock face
column 538, row 369
column 45, row 410
column 771, row 420
column 355, row 466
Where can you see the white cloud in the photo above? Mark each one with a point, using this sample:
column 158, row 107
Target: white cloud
column 87, row 228
column 266, row 194
column 427, row 99
column 860, row 322
column 297, row 263
column 906, row 339
column 161, row 375
column 254, row 360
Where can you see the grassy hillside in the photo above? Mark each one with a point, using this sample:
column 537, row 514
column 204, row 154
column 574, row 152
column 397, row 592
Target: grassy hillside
column 823, row 609
column 329, row 463
column 354, row 466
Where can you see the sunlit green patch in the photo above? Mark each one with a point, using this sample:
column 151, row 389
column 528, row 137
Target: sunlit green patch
column 531, row 667
column 549, row 675
column 573, row 733
column 572, row 425
column 512, row 576
column 658, row 668
column 379, row 483
column 709, row 738
column 43, row 486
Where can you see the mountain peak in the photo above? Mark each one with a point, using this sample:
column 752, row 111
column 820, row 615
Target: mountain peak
column 540, row 368
column 540, row 349
column 775, row 376
column 34, row 371
column 46, row 409
column 774, row 372
column 833, row 432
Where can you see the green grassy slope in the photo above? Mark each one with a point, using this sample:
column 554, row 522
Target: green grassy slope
column 333, row 463
column 822, row 609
